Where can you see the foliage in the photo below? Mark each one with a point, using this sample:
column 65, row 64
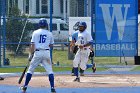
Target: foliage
column 14, row 27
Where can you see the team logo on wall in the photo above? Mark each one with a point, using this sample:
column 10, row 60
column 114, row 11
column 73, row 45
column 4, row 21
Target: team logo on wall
column 116, row 28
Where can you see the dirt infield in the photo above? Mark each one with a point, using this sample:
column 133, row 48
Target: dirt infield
column 66, row 81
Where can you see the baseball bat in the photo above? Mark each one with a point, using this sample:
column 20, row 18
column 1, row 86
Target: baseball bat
column 23, row 73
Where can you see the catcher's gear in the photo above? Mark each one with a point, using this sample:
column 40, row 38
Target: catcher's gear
column 75, row 49
column 91, row 54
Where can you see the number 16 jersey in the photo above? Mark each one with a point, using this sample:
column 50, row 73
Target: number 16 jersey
column 42, row 39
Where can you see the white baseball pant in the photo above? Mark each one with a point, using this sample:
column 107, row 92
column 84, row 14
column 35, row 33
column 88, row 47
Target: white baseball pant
column 41, row 57
column 81, row 58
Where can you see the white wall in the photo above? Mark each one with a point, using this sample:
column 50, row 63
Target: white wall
column 73, row 20
column 20, row 5
column 56, row 8
column 32, row 8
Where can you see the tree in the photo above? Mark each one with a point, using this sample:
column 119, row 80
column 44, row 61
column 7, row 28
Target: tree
column 14, row 28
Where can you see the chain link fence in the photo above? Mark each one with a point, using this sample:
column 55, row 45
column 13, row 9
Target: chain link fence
column 19, row 19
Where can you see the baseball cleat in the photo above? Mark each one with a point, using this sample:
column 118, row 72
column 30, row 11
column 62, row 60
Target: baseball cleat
column 94, row 68
column 77, row 79
column 72, row 74
column 1, row 78
column 53, row 90
column 23, row 89
column 81, row 72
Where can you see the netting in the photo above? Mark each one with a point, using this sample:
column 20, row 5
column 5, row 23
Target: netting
column 20, row 18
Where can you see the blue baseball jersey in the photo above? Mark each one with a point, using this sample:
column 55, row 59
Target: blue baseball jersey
column 75, row 36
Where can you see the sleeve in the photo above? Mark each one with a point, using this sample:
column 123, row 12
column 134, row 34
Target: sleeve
column 89, row 37
column 52, row 39
column 73, row 36
column 33, row 38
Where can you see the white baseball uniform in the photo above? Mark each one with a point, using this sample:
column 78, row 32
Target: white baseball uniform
column 42, row 39
column 82, row 55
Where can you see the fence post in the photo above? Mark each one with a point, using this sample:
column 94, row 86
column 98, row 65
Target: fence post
column 51, row 7
column 85, row 8
column 4, row 28
column 0, row 30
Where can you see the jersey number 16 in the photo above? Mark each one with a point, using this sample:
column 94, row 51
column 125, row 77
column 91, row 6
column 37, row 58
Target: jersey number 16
column 42, row 38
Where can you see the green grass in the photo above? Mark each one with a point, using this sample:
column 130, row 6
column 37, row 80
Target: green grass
column 16, row 60
column 58, row 56
column 38, row 69
column 136, row 68
column 41, row 69
column 62, row 58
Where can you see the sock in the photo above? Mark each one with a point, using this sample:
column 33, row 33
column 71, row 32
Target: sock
column 51, row 79
column 76, row 71
column 81, row 70
column 28, row 78
column 89, row 66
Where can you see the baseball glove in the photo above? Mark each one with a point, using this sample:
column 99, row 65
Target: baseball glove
column 91, row 54
column 1, row 78
column 75, row 49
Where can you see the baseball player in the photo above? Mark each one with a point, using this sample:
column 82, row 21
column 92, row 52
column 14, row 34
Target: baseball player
column 83, row 42
column 41, row 42
column 75, row 49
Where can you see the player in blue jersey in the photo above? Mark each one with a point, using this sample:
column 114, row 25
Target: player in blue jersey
column 75, row 38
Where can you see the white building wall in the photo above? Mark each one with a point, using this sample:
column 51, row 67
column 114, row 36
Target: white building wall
column 32, row 8
column 56, row 8
column 20, row 5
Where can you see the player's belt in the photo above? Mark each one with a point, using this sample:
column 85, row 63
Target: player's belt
column 85, row 48
column 41, row 49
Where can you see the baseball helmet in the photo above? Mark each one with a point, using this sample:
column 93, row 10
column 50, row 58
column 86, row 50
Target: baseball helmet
column 83, row 24
column 42, row 22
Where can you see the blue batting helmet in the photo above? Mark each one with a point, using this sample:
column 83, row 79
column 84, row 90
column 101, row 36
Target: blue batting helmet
column 42, row 22
column 83, row 24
